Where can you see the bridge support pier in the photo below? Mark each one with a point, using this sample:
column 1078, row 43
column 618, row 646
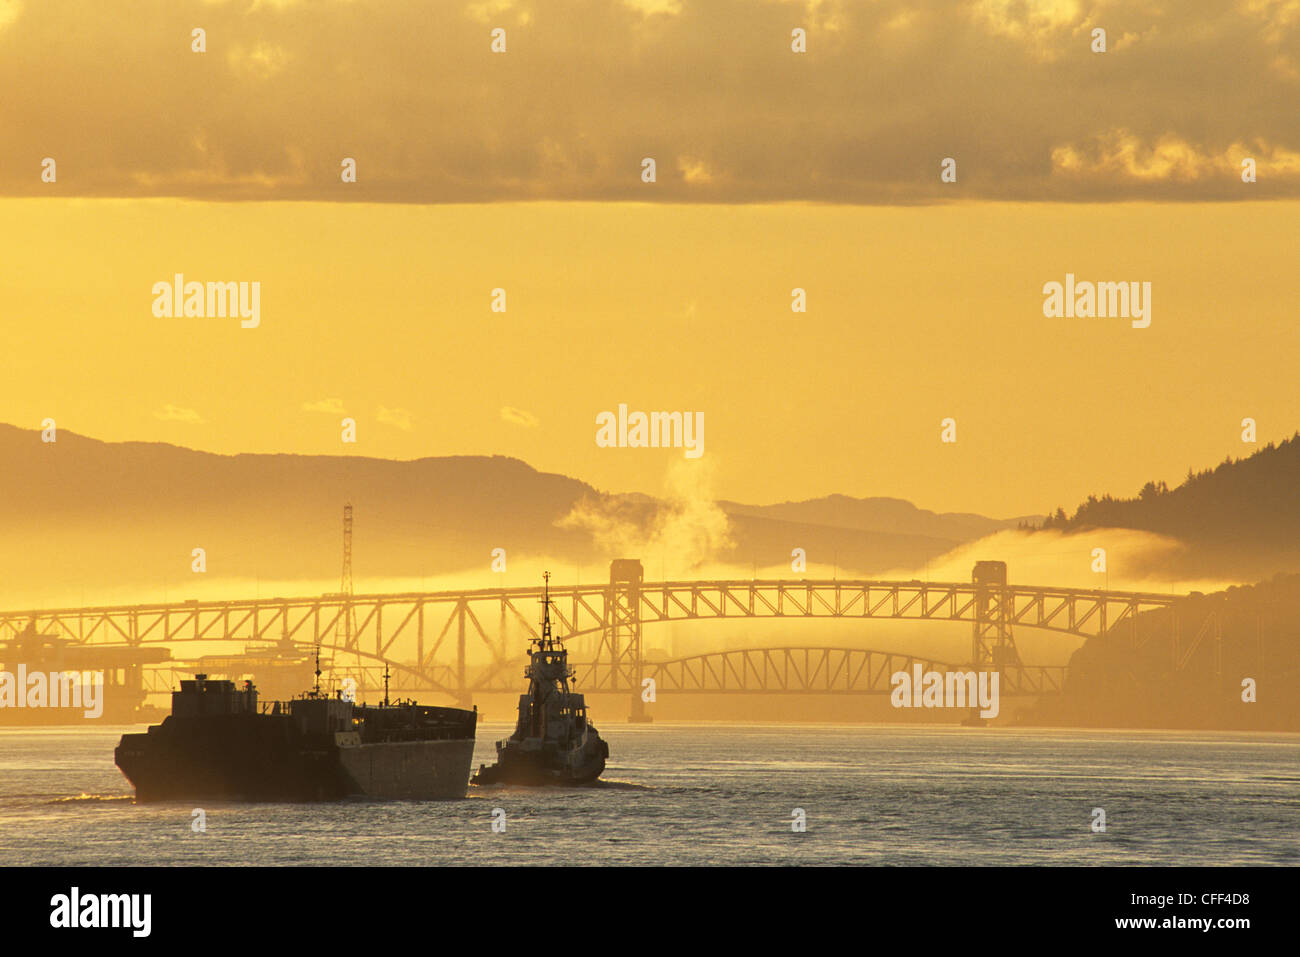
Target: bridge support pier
column 638, row 714
column 993, row 649
column 463, row 696
column 621, row 642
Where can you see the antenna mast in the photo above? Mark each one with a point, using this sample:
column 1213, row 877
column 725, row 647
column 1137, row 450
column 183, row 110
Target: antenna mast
column 345, row 582
column 345, row 594
column 546, row 613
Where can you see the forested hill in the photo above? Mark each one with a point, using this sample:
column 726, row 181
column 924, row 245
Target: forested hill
column 1242, row 507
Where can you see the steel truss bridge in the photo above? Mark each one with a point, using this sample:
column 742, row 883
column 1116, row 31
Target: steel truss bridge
column 426, row 638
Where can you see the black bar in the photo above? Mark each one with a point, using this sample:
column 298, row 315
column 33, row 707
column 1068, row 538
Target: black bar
column 357, row 908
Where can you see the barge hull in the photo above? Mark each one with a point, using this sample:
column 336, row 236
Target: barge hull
column 262, row 759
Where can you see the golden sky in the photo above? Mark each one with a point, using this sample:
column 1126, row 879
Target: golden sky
column 775, row 170
column 587, row 88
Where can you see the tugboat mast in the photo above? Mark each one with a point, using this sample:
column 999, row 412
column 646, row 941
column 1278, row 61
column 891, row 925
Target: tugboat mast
column 550, row 662
column 547, row 641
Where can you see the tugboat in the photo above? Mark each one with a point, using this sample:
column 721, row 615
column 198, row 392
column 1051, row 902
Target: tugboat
column 554, row 742
column 217, row 744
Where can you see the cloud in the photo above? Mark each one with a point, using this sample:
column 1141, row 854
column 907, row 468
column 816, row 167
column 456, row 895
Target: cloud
column 709, row 88
column 694, row 170
column 519, row 417
column 331, row 406
column 176, row 413
column 1135, row 560
column 1034, row 22
column 650, row 7
column 10, row 10
column 397, row 418
column 1121, row 156
column 260, row 61
column 686, row 529
column 490, row 12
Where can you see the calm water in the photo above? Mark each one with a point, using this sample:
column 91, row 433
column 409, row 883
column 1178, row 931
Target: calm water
column 712, row 794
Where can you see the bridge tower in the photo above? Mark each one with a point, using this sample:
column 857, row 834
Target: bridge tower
column 620, row 642
column 992, row 647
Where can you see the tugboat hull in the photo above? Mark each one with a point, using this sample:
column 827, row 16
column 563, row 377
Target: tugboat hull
column 514, row 767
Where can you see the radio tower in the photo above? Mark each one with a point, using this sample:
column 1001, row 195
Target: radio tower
column 345, row 622
column 345, row 584
column 345, row 581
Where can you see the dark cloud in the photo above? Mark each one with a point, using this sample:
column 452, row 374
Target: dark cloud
column 709, row 89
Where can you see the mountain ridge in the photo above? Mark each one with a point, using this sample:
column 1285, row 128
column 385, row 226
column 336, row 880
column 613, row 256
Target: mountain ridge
column 64, row 506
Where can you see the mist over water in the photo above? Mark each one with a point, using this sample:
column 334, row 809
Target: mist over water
column 689, row 540
column 716, row 794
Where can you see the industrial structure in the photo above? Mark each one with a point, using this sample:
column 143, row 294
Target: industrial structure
column 428, row 639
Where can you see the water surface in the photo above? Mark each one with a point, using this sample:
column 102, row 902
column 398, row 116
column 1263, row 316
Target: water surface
column 717, row 794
